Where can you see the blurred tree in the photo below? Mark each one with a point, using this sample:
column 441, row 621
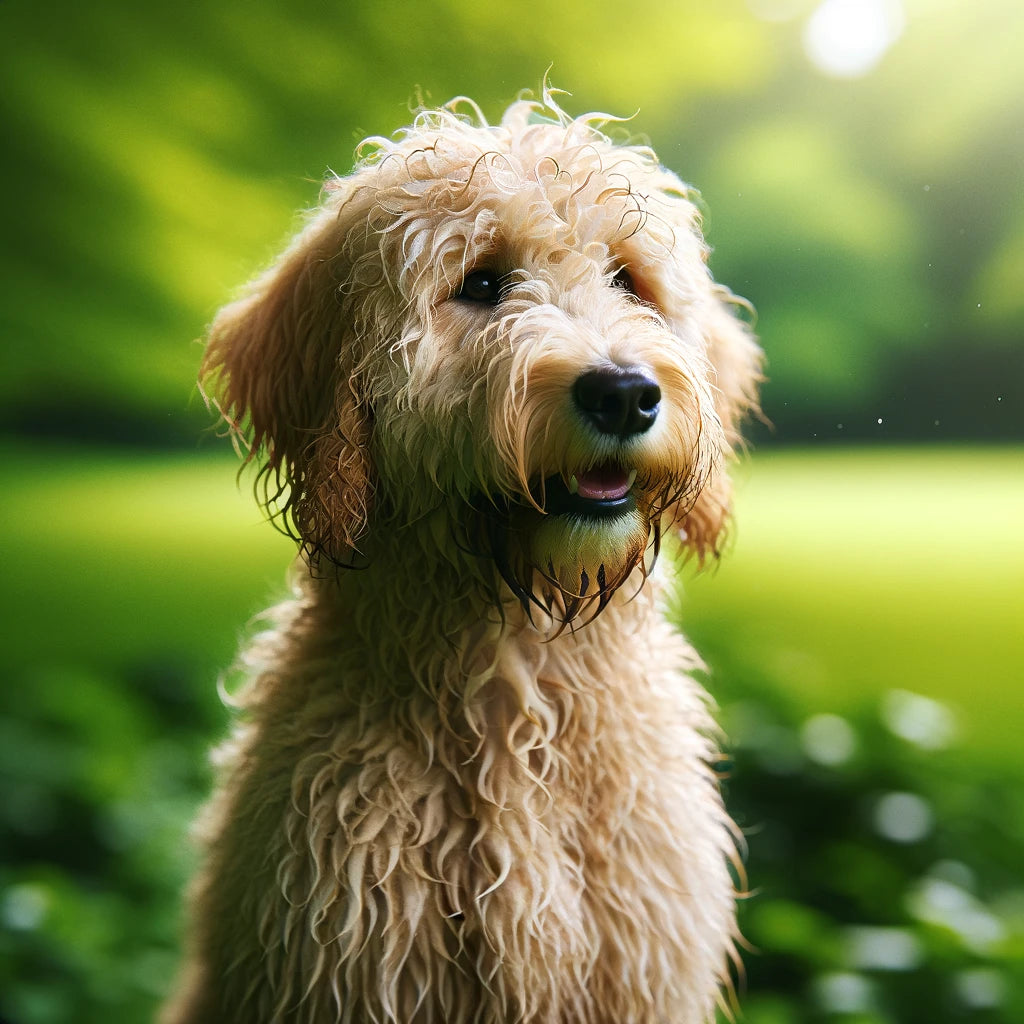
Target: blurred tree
column 155, row 156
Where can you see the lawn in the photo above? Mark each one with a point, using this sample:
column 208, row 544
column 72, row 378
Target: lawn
column 856, row 572
column 850, row 572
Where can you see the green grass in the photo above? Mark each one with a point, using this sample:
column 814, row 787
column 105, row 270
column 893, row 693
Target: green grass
column 851, row 572
column 111, row 558
column 856, row 572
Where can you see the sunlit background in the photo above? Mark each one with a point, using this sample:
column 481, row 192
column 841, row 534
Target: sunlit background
column 861, row 164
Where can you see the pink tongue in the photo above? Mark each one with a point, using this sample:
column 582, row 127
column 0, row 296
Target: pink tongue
column 603, row 483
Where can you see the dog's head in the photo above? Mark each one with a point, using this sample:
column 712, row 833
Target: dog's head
column 513, row 327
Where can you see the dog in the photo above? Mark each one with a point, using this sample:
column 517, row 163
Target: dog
column 474, row 779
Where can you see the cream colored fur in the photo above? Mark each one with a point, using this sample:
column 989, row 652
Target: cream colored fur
column 456, row 792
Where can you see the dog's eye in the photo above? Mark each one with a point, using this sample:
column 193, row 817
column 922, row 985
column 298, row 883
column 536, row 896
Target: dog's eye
column 483, row 286
column 624, row 279
column 636, row 287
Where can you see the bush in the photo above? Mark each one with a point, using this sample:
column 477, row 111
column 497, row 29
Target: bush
column 883, row 865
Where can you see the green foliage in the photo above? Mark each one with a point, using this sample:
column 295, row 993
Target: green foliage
column 99, row 774
column 155, row 155
column 883, row 865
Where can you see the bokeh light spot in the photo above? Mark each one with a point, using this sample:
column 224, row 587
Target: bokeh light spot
column 847, row 38
column 828, row 739
column 903, row 817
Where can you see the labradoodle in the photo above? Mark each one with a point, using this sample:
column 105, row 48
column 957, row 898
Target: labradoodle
column 473, row 776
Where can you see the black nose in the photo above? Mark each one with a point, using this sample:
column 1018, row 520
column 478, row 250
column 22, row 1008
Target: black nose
column 620, row 400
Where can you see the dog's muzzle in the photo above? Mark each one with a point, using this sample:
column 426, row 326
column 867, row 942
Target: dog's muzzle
column 619, row 403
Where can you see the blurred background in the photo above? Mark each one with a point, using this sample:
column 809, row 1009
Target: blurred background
column 862, row 167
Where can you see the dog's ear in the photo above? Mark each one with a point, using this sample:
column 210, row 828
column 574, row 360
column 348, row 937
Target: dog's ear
column 736, row 361
column 280, row 367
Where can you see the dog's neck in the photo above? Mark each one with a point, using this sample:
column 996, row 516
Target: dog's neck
column 501, row 702
column 472, row 632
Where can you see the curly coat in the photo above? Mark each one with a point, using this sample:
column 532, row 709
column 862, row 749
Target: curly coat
column 473, row 776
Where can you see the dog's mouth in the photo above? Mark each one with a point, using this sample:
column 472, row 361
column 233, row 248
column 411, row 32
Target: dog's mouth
column 600, row 492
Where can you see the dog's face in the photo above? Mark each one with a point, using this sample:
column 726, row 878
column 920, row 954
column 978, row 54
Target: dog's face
column 513, row 328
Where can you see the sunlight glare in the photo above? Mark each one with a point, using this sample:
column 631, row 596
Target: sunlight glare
column 847, row 38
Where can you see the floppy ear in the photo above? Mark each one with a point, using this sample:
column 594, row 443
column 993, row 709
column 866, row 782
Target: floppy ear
column 736, row 363
column 279, row 366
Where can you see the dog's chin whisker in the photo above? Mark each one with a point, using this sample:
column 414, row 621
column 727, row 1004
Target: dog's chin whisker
column 656, row 546
column 571, row 605
column 603, row 590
